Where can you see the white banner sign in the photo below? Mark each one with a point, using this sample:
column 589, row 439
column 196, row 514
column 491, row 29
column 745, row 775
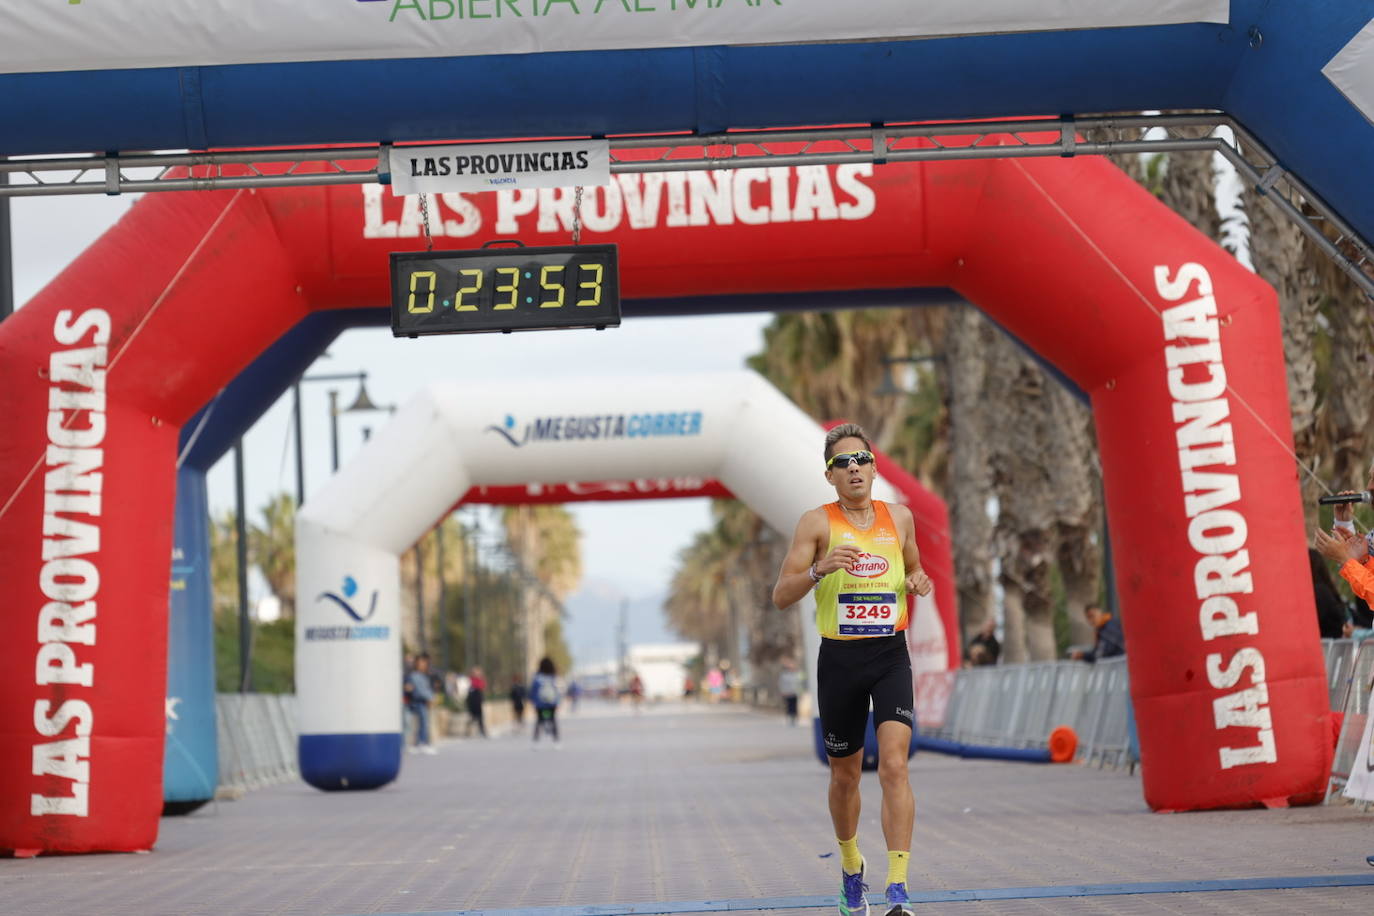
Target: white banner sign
column 496, row 166
column 1361, row 782
column 48, row 35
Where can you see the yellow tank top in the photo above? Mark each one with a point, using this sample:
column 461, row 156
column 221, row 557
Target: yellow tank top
column 871, row 600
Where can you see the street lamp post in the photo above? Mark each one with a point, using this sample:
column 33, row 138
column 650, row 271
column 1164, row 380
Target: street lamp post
column 360, row 403
column 444, row 659
column 241, row 551
column 470, row 643
column 6, row 259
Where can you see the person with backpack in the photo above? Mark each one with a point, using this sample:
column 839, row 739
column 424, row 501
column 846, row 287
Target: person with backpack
column 545, row 695
column 419, row 693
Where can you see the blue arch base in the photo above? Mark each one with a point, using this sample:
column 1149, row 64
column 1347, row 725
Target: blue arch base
column 870, row 743
column 341, row 762
column 191, row 756
column 983, row 751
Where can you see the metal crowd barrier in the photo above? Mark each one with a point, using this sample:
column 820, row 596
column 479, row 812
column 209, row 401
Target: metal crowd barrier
column 1358, row 662
column 257, row 739
column 1018, row 705
column 1340, row 660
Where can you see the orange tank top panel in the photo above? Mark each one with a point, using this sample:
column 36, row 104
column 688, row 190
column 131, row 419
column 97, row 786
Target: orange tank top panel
column 869, row 600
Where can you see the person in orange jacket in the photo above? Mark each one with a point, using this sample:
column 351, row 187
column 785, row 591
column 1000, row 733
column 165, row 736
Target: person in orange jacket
column 1346, row 547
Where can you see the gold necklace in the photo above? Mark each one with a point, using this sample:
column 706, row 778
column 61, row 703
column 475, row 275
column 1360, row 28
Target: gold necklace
column 865, row 510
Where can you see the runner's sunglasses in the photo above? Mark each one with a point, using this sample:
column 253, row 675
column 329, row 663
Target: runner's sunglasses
column 843, row 459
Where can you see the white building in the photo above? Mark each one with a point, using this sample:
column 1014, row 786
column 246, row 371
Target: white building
column 662, row 667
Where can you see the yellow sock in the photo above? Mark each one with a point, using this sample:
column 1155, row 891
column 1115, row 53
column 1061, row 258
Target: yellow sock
column 850, row 860
column 896, row 866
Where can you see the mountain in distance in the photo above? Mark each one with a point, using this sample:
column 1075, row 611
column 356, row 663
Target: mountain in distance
column 591, row 628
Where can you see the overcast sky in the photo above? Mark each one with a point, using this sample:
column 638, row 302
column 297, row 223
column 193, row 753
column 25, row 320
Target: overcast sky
column 632, row 545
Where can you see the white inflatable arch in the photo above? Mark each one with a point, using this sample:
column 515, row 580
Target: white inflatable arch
column 734, row 427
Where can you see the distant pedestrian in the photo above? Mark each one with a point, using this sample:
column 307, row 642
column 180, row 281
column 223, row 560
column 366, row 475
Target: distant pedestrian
column 419, row 693
column 789, row 687
column 715, row 684
column 636, row 691
column 477, row 687
column 545, row 695
column 574, row 694
column 517, row 701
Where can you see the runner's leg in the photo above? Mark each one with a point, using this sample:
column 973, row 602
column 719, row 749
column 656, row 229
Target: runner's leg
column 844, row 793
column 899, row 805
column 892, row 714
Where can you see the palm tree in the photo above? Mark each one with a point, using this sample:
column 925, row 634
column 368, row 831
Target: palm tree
column 698, row 603
column 547, row 542
column 272, row 549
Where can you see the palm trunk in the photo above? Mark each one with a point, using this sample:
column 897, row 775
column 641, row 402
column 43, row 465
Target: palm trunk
column 966, row 347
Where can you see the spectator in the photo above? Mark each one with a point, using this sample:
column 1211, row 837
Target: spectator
column 715, row 684
column 1360, row 615
column 986, row 639
column 477, row 686
column 419, row 694
column 1109, row 642
column 545, row 695
column 636, row 690
column 1346, row 547
column 574, row 694
column 789, row 687
column 1331, row 613
column 517, row 701
column 1358, row 634
column 977, row 656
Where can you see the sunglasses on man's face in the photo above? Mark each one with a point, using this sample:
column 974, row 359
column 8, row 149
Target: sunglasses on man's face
column 847, row 459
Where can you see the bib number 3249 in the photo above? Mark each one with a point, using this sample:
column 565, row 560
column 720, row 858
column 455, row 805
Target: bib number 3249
column 867, row 613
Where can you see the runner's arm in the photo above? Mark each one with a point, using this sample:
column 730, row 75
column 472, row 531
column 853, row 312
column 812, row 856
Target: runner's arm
column 794, row 579
column 916, row 579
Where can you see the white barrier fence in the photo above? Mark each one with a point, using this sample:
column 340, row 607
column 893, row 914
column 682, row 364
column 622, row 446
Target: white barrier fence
column 257, row 739
column 1017, row 706
column 1350, row 671
column 1001, row 706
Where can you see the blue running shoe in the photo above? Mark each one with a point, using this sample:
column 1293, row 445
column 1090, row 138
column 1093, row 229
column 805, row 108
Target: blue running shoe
column 898, row 904
column 852, row 887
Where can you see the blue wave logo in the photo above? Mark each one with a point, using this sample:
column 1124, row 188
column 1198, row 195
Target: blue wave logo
column 350, row 589
column 504, row 431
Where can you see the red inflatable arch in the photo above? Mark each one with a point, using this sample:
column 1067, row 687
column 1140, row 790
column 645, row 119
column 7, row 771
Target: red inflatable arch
column 1178, row 347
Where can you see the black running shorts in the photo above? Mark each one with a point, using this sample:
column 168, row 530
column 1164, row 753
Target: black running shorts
column 850, row 673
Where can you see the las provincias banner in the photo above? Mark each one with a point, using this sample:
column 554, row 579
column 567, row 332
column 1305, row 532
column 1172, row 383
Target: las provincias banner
column 50, row 35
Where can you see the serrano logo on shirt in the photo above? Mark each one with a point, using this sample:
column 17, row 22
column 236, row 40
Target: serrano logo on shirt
column 869, row 566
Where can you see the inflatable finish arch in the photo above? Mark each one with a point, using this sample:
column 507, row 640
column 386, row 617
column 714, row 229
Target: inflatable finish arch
column 1177, row 346
column 733, row 427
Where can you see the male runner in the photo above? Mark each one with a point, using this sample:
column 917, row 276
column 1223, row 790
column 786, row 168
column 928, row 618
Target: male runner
column 856, row 554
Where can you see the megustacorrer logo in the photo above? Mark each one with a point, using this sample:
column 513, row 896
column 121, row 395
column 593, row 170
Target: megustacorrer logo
column 350, row 588
column 345, row 603
column 505, row 430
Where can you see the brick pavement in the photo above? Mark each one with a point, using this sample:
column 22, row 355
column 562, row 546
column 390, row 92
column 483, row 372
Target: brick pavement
column 687, row 805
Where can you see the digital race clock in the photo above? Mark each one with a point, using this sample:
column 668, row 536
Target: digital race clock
column 504, row 289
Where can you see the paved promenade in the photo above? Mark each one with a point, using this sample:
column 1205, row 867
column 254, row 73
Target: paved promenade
column 688, row 805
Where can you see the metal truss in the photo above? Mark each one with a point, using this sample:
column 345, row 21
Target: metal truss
column 1073, row 136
